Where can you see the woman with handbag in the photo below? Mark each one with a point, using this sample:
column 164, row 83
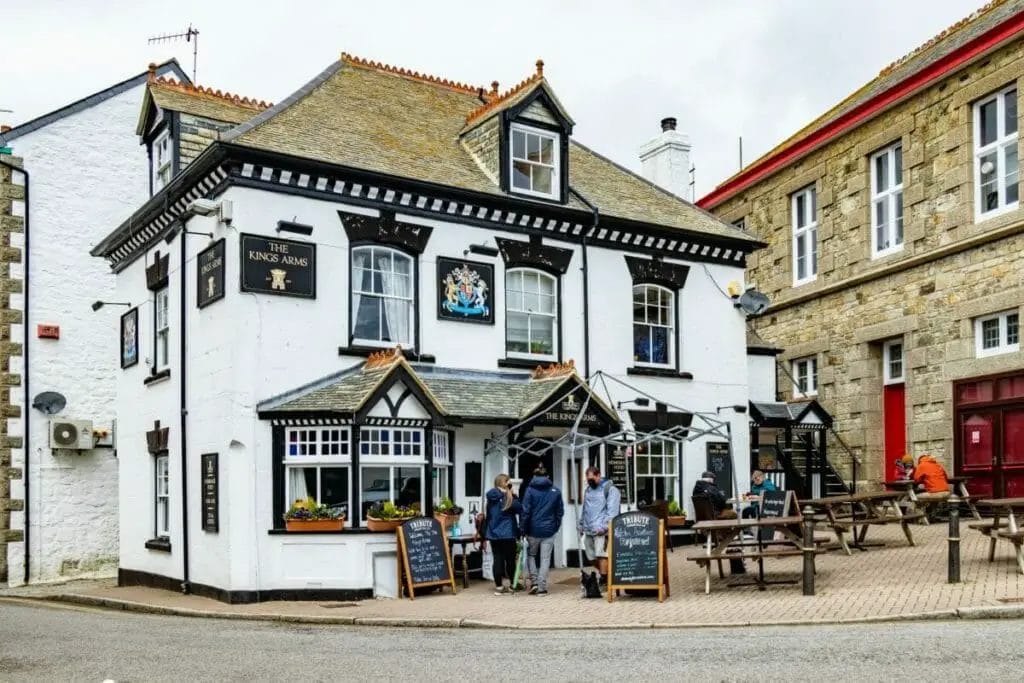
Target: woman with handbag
column 500, row 528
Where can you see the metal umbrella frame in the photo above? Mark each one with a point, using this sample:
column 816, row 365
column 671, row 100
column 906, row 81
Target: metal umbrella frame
column 710, row 424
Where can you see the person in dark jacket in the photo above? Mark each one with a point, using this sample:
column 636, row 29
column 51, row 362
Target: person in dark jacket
column 501, row 527
column 541, row 519
column 706, row 487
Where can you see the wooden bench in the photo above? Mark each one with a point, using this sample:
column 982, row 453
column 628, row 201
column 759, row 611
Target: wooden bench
column 988, row 526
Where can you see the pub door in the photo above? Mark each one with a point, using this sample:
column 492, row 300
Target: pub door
column 992, row 450
column 894, row 415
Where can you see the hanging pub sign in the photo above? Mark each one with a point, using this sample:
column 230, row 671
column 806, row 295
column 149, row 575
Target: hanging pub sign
column 465, row 291
column 130, row 338
column 210, row 274
column 275, row 266
column 210, row 493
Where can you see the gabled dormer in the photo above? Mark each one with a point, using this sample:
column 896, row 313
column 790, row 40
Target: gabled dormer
column 521, row 139
column 179, row 120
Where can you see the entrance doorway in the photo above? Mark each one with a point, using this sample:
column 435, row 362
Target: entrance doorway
column 894, row 414
column 990, row 435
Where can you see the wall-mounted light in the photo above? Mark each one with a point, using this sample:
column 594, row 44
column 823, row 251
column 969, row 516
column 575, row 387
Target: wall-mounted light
column 481, row 249
column 97, row 305
column 638, row 401
column 738, row 408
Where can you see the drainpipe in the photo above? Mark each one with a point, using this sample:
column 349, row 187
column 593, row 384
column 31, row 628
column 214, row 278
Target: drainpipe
column 186, row 587
column 586, row 285
column 26, row 403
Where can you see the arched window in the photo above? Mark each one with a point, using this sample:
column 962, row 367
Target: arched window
column 531, row 308
column 382, row 297
column 654, row 318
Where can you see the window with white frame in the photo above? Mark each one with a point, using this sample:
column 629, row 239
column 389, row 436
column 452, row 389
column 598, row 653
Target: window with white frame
column 162, row 323
column 534, row 161
column 805, row 235
column 531, row 312
column 653, row 325
column 442, row 465
column 655, row 463
column 887, row 200
column 997, row 333
column 317, row 462
column 805, row 376
column 162, row 496
column 392, row 463
column 162, row 157
column 996, row 166
column 382, row 297
column 892, row 361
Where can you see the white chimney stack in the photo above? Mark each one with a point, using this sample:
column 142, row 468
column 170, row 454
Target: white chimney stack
column 666, row 159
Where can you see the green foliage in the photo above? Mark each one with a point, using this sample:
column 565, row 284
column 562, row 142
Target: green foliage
column 447, row 507
column 388, row 510
column 310, row 509
column 674, row 510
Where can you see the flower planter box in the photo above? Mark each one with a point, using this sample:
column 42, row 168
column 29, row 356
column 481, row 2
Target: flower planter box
column 314, row 524
column 676, row 521
column 447, row 521
column 374, row 524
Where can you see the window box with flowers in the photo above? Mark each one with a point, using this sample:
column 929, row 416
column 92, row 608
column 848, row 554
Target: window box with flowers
column 308, row 515
column 447, row 513
column 387, row 516
column 676, row 515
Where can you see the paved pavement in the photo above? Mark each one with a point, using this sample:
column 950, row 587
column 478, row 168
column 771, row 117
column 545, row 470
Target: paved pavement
column 883, row 583
column 56, row 643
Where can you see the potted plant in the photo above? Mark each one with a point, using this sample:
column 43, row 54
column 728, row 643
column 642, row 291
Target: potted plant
column 386, row 516
column 447, row 512
column 308, row 515
column 676, row 515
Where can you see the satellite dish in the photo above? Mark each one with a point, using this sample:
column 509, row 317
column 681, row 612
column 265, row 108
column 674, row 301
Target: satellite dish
column 753, row 302
column 49, row 402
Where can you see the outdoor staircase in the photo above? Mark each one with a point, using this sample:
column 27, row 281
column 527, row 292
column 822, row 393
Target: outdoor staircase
column 794, row 461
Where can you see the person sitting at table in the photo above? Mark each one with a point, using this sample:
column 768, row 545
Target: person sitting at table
column 930, row 476
column 706, row 487
column 758, row 485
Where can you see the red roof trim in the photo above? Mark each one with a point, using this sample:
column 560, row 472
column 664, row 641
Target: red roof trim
column 851, row 119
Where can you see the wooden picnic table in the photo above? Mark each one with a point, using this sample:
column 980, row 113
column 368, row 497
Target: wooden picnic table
column 959, row 486
column 917, row 500
column 1007, row 529
column 866, row 509
column 721, row 536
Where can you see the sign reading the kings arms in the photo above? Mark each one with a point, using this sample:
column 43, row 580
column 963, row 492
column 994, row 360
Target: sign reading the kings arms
column 567, row 411
column 210, row 274
column 276, row 266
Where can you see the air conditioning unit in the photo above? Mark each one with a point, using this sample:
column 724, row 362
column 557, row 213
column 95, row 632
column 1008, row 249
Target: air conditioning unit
column 75, row 435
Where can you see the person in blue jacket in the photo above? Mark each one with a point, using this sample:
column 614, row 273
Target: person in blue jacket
column 601, row 502
column 758, row 485
column 541, row 519
column 500, row 529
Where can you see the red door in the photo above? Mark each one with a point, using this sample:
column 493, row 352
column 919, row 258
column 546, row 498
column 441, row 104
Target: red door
column 978, row 449
column 894, row 414
column 1012, row 461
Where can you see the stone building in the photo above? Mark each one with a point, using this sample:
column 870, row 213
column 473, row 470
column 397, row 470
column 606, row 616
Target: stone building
column 894, row 265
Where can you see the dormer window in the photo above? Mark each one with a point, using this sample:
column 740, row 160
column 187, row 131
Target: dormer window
column 535, row 161
column 161, row 161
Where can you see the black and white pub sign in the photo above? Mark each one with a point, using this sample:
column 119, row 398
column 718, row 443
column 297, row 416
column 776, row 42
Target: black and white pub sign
column 276, row 266
column 210, row 274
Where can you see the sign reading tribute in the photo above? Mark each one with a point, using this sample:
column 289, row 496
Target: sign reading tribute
column 423, row 556
column 210, row 493
column 271, row 265
column 636, row 554
column 720, row 463
column 465, row 291
column 210, row 274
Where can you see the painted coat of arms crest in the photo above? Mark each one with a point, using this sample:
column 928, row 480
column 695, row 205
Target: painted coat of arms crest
column 465, row 291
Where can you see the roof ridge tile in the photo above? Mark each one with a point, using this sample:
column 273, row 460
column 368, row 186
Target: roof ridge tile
column 497, row 99
column 190, row 89
column 353, row 60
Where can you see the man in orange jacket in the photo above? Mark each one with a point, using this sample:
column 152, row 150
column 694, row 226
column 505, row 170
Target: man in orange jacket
column 929, row 475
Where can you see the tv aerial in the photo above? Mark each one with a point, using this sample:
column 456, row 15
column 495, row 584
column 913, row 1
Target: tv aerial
column 49, row 402
column 753, row 302
column 189, row 35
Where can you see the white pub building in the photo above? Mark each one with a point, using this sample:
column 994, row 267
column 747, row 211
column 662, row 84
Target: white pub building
column 271, row 283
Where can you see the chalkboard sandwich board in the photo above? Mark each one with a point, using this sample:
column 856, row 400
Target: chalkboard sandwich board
column 773, row 504
column 636, row 554
column 423, row 557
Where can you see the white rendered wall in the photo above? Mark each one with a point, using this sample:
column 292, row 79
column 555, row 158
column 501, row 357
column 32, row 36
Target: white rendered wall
column 88, row 173
column 249, row 347
column 762, row 377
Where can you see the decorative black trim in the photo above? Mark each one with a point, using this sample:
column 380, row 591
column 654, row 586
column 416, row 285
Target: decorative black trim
column 658, row 372
column 394, row 407
column 523, row 363
column 534, row 254
column 763, row 351
column 160, row 543
column 657, row 272
column 385, row 230
column 277, row 477
column 157, row 377
column 134, row 577
column 158, row 272
column 296, row 228
column 157, row 439
column 365, row 351
column 347, row 531
column 399, row 373
column 175, row 125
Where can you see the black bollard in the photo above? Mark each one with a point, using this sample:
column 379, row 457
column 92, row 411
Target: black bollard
column 808, row 550
column 953, row 568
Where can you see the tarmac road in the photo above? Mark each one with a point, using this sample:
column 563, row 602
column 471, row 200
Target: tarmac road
column 40, row 642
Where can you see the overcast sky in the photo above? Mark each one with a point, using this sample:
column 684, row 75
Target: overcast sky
column 724, row 68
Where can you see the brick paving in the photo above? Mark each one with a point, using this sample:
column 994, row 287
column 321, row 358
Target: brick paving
column 888, row 582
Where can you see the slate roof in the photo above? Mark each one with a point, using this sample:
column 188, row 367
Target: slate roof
column 208, row 103
column 387, row 120
column 792, row 412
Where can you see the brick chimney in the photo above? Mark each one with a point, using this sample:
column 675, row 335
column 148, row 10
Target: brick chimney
column 665, row 159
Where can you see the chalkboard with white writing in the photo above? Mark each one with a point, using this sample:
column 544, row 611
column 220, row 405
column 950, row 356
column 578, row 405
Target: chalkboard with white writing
column 423, row 554
column 773, row 504
column 637, row 553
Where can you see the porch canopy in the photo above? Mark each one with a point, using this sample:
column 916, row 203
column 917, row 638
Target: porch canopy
column 788, row 441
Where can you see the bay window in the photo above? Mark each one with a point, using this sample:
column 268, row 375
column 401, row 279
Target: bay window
column 531, row 310
column 887, row 201
column 392, row 463
column 996, row 166
column 653, row 323
column 317, row 463
column 805, row 235
column 382, row 297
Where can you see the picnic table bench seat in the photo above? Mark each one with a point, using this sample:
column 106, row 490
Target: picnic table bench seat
column 1017, row 537
column 988, row 526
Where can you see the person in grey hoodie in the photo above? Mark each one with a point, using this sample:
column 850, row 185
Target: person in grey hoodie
column 601, row 503
column 540, row 521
